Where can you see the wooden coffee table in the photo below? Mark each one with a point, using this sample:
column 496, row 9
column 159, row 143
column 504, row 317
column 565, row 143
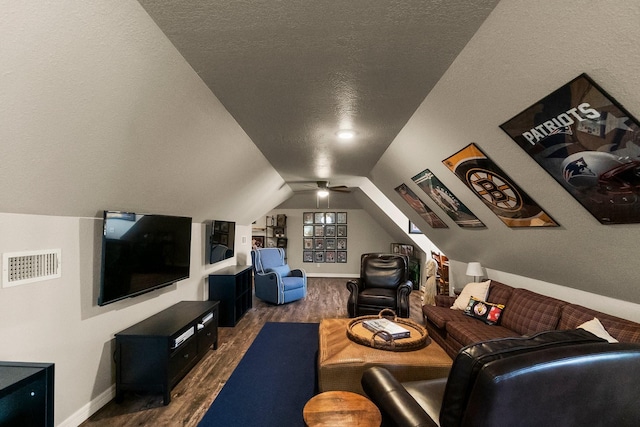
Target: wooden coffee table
column 341, row 408
column 341, row 362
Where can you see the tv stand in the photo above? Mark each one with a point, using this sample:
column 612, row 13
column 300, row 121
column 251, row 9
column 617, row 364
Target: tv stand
column 155, row 354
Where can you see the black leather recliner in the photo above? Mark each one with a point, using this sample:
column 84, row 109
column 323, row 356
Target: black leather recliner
column 555, row 378
column 383, row 283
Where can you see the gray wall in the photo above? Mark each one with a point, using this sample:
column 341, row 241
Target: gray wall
column 100, row 112
column 364, row 235
column 524, row 51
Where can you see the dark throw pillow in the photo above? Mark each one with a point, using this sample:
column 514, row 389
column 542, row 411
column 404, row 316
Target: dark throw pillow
column 488, row 312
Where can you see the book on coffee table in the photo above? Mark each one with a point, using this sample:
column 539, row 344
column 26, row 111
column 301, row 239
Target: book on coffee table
column 393, row 329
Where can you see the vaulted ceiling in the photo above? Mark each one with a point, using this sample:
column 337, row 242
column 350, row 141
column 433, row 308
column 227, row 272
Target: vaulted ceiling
column 293, row 73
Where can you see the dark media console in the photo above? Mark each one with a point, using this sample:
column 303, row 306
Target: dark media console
column 26, row 394
column 155, row 354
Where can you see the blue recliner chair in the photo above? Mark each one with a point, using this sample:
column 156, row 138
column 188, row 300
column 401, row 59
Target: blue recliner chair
column 274, row 281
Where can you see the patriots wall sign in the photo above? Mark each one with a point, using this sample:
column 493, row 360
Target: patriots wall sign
column 487, row 181
column 444, row 198
column 589, row 143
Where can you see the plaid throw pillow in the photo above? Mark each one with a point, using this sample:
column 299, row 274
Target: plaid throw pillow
column 488, row 312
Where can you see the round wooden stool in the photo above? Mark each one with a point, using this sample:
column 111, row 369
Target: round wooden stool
column 341, row 408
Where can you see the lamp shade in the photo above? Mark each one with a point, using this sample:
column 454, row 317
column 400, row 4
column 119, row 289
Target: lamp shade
column 474, row 269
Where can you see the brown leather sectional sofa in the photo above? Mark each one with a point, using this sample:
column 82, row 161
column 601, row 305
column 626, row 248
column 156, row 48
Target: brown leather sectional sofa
column 525, row 313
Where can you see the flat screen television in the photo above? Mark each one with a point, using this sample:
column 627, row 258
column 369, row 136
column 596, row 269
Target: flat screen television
column 221, row 236
column 142, row 252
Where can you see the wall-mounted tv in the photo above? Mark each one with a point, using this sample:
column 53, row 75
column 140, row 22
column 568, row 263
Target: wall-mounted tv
column 142, row 252
column 221, row 236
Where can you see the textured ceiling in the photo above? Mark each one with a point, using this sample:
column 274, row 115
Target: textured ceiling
column 292, row 73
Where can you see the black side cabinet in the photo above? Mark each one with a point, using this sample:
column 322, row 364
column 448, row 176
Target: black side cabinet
column 232, row 286
column 26, row 394
column 155, row 354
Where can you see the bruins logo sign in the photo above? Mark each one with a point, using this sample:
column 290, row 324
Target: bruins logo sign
column 512, row 205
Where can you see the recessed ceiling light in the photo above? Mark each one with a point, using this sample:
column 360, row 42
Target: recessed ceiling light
column 346, row 134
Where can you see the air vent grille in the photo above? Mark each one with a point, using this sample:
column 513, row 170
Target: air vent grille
column 19, row 268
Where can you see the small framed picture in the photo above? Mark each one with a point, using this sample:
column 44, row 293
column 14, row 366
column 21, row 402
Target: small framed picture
column 318, row 218
column 318, row 244
column 342, row 256
column 330, row 230
column 257, row 242
column 318, row 230
column 395, row 248
column 308, row 243
column 330, row 218
column 406, row 250
column 307, row 218
column 342, row 231
column 342, row 244
column 330, row 244
column 307, row 231
column 341, row 218
column 318, row 256
column 330, row 256
column 413, row 229
column 307, row 256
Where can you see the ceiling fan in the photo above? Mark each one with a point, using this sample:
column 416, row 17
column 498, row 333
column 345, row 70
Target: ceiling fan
column 324, row 185
column 321, row 188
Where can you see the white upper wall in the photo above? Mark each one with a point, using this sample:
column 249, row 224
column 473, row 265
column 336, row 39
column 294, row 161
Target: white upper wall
column 100, row 111
column 524, row 51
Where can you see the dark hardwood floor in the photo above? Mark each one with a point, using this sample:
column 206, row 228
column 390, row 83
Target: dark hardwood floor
column 191, row 398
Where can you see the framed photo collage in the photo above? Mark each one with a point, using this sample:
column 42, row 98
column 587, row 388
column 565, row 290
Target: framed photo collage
column 324, row 237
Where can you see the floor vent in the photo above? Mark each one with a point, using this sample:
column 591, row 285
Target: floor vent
column 19, row 268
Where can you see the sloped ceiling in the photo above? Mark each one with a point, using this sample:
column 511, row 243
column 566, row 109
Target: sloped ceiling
column 523, row 52
column 292, row 73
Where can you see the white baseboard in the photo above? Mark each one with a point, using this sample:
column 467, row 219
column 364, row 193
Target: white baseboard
column 90, row 408
column 334, row 275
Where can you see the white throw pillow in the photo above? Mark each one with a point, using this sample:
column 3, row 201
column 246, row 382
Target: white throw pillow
column 595, row 327
column 478, row 290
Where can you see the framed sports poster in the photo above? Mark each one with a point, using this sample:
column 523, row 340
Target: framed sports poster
column 589, row 143
column 487, row 181
column 444, row 198
column 418, row 205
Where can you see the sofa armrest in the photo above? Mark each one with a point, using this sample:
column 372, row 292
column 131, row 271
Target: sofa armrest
column 298, row 272
column 396, row 405
column 403, row 304
column 405, row 289
column 444, row 300
column 354, row 286
column 267, row 275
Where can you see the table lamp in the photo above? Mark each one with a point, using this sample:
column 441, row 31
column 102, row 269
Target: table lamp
column 474, row 269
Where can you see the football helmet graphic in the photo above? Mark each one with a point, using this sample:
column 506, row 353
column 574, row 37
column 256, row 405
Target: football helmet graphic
column 582, row 170
column 616, row 179
column 622, row 183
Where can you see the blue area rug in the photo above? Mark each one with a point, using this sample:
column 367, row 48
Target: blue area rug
column 272, row 382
